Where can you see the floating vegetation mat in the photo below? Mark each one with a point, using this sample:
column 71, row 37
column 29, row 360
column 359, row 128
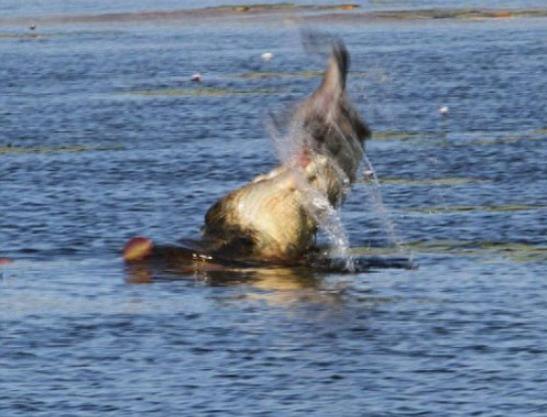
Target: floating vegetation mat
column 542, row 132
column 22, row 37
column 261, row 75
column 56, row 149
column 377, row 251
column 516, row 252
column 435, row 182
column 199, row 92
column 440, row 138
column 190, row 15
column 463, row 13
column 398, row 135
column 348, row 12
column 487, row 209
column 508, row 139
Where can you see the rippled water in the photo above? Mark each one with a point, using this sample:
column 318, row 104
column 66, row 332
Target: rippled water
column 103, row 137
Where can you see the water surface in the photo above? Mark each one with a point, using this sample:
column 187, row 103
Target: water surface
column 103, row 137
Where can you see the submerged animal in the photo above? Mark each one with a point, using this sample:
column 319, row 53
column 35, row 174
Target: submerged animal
column 275, row 217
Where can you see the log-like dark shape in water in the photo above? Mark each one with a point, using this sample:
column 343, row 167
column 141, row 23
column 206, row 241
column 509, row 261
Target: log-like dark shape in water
column 350, row 13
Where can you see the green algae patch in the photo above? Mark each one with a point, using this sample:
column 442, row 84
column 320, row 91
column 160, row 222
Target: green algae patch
column 22, row 37
column 396, row 135
column 540, row 132
column 426, row 182
column 435, row 182
column 191, row 15
column 283, row 6
column 441, row 139
column 517, row 252
column 459, row 13
column 261, row 75
column 486, row 208
column 7, row 150
column 265, row 75
column 379, row 251
column 199, row 92
column 327, row 13
column 509, row 139
column 252, row 7
column 512, row 251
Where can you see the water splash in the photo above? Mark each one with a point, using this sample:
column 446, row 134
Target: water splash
column 329, row 221
column 288, row 146
column 375, row 196
column 296, row 148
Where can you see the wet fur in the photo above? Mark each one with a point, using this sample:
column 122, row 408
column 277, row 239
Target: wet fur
column 270, row 218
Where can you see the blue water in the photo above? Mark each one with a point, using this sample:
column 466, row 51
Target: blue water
column 103, row 137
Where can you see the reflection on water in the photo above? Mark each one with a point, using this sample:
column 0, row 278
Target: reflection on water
column 274, row 285
column 283, row 285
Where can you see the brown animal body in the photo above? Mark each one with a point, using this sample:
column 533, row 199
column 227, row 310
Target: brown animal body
column 271, row 218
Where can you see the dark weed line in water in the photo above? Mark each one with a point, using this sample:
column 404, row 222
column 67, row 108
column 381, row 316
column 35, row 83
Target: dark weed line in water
column 15, row 150
column 348, row 12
